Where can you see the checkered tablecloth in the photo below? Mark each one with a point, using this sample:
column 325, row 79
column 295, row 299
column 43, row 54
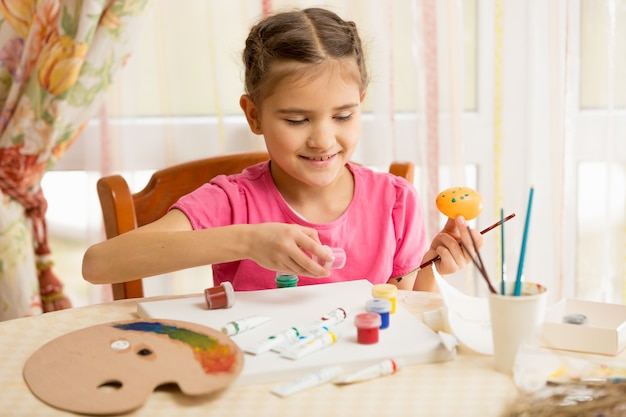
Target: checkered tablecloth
column 465, row 386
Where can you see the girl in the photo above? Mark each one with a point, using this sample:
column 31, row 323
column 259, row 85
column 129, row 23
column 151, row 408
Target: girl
column 305, row 81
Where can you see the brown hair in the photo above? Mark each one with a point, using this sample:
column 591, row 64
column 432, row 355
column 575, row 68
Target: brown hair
column 310, row 36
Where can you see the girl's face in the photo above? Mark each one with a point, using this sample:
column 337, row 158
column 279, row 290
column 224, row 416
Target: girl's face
column 311, row 127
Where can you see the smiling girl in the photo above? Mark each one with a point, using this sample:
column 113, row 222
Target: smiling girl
column 305, row 81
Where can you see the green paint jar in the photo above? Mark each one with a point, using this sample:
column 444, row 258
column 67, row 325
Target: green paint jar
column 286, row 280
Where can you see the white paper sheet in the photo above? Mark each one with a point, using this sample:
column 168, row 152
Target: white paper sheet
column 406, row 338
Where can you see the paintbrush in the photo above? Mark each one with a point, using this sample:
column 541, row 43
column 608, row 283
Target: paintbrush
column 482, row 232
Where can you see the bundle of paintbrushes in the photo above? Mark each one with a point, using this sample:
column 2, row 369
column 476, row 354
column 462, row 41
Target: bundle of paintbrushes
column 520, row 267
column 572, row 399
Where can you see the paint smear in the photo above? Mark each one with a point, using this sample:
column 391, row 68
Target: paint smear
column 212, row 356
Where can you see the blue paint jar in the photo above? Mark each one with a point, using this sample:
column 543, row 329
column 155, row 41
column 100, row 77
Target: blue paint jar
column 382, row 306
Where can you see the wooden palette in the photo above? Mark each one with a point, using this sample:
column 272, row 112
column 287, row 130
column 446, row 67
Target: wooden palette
column 113, row 368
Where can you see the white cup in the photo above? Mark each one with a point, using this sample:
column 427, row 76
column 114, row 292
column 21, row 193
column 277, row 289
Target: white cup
column 515, row 321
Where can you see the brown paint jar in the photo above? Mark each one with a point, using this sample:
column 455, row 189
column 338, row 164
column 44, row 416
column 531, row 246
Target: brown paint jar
column 220, row 296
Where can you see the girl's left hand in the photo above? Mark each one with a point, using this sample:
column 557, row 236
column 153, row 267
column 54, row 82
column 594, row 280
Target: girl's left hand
column 447, row 245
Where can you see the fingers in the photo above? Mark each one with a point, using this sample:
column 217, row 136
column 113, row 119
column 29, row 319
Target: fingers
column 450, row 243
column 315, row 254
column 451, row 227
column 290, row 248
column 452, row 255
column 315, row 248
column 303, row 267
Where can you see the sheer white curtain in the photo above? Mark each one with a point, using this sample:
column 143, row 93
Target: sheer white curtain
column 498, row 95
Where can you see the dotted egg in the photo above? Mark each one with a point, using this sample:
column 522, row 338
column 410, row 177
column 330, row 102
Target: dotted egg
column 460, row 201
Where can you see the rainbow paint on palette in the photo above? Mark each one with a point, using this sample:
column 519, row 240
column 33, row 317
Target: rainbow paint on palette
column 213, row 356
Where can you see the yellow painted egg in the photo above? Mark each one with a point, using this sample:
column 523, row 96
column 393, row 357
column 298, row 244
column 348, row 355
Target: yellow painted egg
column 460, row 201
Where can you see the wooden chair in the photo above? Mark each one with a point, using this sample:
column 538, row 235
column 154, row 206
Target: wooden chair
column 124, row 211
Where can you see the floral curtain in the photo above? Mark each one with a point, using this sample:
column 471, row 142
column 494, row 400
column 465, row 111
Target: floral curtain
column 57, row 60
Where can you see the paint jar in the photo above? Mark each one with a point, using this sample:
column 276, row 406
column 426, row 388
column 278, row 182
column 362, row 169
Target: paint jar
column 388, row 291
column 284, row 280
column 339, row 261
column 367, row 325
column 221, row 296
column 380, row 306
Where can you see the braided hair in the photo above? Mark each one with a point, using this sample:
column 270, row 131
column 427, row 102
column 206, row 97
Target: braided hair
column 287, row 44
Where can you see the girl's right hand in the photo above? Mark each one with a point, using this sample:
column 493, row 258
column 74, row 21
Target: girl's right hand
column 288, row 248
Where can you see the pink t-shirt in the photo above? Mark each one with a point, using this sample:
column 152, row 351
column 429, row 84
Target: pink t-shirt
column 381, row 231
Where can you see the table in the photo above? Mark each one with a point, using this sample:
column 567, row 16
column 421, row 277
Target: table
column 465, row 386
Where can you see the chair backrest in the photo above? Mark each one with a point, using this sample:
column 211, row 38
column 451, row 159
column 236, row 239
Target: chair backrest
column 124, row 211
